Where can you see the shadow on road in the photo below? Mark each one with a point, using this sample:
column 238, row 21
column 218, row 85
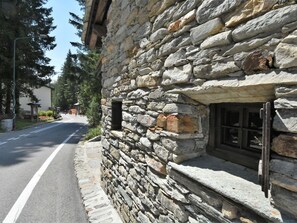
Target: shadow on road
column 24, row 148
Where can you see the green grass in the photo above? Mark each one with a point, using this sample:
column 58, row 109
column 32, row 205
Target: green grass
column 26, row 123
column 92, row 132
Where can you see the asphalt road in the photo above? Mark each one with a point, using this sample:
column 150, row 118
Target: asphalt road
column 37, row 180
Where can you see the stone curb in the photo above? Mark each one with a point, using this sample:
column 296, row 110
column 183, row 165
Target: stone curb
column 97, row 204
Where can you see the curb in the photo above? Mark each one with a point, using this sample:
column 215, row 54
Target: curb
column 98, row 207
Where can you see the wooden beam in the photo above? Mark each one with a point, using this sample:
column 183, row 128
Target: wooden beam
column 93, row 41
column 101, row 11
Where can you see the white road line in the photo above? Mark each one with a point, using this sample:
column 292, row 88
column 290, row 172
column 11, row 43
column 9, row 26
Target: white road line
column 24, row 135
column 18, row 206
column 43, row 129
column 10, row 139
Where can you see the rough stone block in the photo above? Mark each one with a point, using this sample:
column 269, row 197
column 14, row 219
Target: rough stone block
column 181, row 124
column 202, row 71
column 178, row 210
column 180, row 147
column 159, row 34
column 162, row 18
column 248, row 10
column 152, row 135
column 283, row 181
column 186, row 7
column 146, row 120
column 199, row 33
column 184, row 157
column 223, row 69
column 162, row 121
column 161, row 152
column 286, row 91
column 257, row 61
column 219, row 39
column 247, row 45
column 176, row 59
column 143, row 218
column 115, row 153
column 156, row 106
column 286, row 167
column 267, row 23
column 210, row 9
column 139, row 93
column 146, row 142
column 177, row 75
column 173, row 27
column 103, row 101
column 147, row 81
column 159, row 167
column 156, row 94
column 286, row 55
column 180, row 23
column 284, row 199
column 180, row 109
column 285, row 145
column 165, row 219
column 229, row 211
column 285, row 121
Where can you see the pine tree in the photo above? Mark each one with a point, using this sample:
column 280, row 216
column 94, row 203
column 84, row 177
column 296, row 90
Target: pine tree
column 30, row 19
column 66, row 88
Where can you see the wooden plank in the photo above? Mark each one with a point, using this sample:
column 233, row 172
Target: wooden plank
column 93, row 41
column 263, row 173
column 101, row 11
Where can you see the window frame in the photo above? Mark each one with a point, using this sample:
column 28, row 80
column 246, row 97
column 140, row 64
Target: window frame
column 243, row 156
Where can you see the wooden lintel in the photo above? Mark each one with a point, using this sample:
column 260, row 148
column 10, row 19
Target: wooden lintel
column 99, row 30
column 101, row 11
column 93, row 41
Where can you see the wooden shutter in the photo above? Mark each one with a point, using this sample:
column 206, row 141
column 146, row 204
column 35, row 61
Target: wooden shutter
column 263, row 170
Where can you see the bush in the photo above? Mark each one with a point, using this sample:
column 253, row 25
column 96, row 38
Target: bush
column 41, row 113
column 93, row 132
column 49, row 113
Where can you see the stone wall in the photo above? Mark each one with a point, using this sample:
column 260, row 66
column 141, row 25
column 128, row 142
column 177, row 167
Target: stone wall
column 167, row 61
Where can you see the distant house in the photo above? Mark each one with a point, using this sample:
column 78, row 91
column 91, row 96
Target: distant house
column 43, row 94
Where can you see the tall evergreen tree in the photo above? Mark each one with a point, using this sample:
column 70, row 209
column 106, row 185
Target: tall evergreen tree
column 89, row 75
column 66, row 88
column 83, row 75
column 28, row 19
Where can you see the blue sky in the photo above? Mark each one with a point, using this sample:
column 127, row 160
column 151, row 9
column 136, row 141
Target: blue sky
column 64, row 32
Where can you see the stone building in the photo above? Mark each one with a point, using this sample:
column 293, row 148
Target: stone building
column 195, row 94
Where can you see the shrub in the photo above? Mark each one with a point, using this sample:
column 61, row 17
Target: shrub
column 93, row 132
column 49, row 113
column 41, row 113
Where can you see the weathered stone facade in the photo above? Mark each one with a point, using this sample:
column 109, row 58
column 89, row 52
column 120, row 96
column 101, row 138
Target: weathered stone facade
column 167, row 61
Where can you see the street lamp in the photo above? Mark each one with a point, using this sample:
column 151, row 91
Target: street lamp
column 13, row 76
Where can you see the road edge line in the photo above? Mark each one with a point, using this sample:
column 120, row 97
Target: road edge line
column 18, row 206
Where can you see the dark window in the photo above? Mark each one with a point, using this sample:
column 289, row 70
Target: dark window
column 236, row 133
column 116, row 116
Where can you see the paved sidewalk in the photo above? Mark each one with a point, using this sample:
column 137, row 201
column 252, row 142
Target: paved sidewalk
column 87, row 167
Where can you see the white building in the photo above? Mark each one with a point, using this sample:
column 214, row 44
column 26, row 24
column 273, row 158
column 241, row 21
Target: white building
column 43, row 94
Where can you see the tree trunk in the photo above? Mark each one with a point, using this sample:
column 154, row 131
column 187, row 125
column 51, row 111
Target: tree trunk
column 17, row 100
column 8, row 99
column 1, row 97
